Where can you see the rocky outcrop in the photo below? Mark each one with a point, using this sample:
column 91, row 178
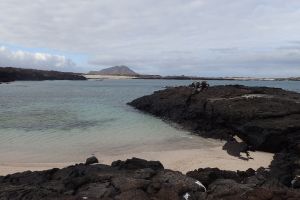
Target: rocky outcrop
column 250, row 184
column 141, row 180
column 8, row 74
column 135, row 163
column 267, row 119
column 132, row 179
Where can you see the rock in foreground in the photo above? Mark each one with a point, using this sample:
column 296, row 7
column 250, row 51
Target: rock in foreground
column 132, row 179
column 141, row 180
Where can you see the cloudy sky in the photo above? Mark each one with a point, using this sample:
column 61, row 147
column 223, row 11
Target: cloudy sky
column 168, row 37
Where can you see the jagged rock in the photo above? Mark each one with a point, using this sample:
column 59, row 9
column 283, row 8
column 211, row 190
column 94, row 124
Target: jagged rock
column 133, row 194
column 226, row 189
column 208, row 175
column 144, row 173
column 266, row 119
column 296, row 182
column 91, row 160
column 261, row 116
column 249, row 172
column 97, row 190
column 136, row 163
column 132, row 179
column 124, row 184
column 100, row 181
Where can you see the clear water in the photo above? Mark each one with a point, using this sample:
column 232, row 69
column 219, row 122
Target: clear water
column 56, row 121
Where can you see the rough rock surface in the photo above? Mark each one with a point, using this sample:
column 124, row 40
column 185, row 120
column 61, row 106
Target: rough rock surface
column 8, row 74
column 141, row 180
column 267, row 119
column 132, row 179
column 250, row 184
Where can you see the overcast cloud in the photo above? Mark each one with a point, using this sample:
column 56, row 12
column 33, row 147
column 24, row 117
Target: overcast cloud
column 194, row 37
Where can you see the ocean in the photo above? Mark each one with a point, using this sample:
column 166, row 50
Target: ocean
column 64, row 121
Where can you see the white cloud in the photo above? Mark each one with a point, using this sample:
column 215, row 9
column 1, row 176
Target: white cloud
column 167, row 36
column 25, row 59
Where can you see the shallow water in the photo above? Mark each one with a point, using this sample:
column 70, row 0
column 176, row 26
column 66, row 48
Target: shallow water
column 60, row 121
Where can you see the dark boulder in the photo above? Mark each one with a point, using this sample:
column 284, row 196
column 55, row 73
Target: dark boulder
column 91, row 160
column 227, row 189
column 209, row 175
column 137, row 163
column 296, row 182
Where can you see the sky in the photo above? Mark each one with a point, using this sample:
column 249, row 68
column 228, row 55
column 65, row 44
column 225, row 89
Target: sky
column 257, row 38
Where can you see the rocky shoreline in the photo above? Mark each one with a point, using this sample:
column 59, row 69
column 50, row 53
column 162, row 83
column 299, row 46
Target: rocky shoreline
column 266, row 119
column 141, row 180
column 9, row 74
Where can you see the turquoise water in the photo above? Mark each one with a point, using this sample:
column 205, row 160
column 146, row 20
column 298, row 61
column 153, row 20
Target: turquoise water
column 51, row 121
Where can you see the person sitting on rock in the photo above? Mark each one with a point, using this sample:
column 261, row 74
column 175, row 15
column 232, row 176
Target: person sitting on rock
column 203, row 86
column 196, row 86
column 192, row 85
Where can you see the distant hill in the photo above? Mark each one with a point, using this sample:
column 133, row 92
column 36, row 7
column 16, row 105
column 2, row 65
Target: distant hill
column 8, row 74
column 116, row 71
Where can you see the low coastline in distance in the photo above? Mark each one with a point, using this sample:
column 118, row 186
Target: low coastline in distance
column 124, row 72
column 9, row 74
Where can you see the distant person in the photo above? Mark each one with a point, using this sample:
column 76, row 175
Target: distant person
column 203, row 86
column 196, row 86
column 192, row 85
column 199, row 87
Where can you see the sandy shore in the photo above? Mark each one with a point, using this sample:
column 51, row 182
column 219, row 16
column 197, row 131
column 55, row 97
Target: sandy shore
column 180, row 160
column 190, row 159
column 88, row 76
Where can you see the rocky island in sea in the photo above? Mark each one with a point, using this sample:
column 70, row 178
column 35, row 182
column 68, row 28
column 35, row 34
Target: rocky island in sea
column 115, row 71
column 266, row 119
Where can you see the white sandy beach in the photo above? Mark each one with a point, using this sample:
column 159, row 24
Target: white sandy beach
column 99, row 77
column 180, row 160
